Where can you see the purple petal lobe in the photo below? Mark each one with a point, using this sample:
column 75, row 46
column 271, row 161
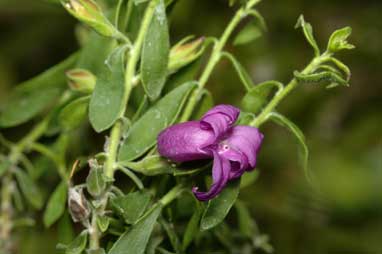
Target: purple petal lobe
column 185, row 142
column 237, row 159
column 247, row 140
column 220, row 177
column 220, row 119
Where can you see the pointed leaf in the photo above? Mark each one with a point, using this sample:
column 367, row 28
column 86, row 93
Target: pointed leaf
column 144, row 132
column 95, row 182
column 308, row 32
column 243, row 74
column 106, row 103
column 134, row 240
column 192, row 228
column 56, row 205
column 219, row 207
column 155, row 52
column 324, row 77
column 338, row 40
column 248, row 34
column 285, row 122
column 33, row 96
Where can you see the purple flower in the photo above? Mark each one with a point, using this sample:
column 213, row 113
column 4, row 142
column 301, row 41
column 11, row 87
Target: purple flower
column 233, row 148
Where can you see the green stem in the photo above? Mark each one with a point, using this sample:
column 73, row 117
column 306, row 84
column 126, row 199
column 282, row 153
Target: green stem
column 131, row 65
column 311, row 67
column 6, row 214
column 114, row 140
column 214, row 59
column 171, row 195
column 94, row 234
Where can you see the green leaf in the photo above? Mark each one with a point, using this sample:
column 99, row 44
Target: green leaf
column 338, row 40
column 192, row 228
column 103, row 223
column 219, row 207
column 134, row 240
column 308, row 32
column 29, row 189
column 155, row 53
column 324, row 77
column 95, row 182
column 247, row 225
column 285, row 122
column 4, row 165
column 65, row 230
column 131, row 206
column 56, row 205
column 249, row 33
column 144, row 132
column 73, row 114
column 106, row 103
column 243, row 74
column 33, row 96
column 78, row 245
column 255, row 99
column 340, row 65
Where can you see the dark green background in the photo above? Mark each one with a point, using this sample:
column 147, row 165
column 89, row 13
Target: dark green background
column 343, row 126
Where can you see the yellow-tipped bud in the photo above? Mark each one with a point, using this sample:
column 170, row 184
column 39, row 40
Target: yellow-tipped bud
column 185, row 52
column 91, row 14
column 81, row 80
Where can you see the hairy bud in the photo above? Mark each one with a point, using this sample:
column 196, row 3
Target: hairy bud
column 78, row 205
column 81, row 80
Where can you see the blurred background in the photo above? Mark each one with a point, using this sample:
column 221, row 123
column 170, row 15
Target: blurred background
column 342, row 126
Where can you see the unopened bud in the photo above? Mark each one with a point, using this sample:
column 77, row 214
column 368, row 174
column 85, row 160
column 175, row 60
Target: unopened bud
column 91, row 14
column 78, row 205
column 81, row 80
column 185, row 52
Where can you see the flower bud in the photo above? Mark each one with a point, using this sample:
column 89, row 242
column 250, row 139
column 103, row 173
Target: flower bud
column 184, row 52
column 91, row 14
column 78, row 205
column 81, row 80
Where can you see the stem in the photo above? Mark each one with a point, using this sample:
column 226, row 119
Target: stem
column 311, row 67
column 129, row 78
column 115, row 137
column 214, row 59
column 94, row 234
column 171, row 195
column 6, row 214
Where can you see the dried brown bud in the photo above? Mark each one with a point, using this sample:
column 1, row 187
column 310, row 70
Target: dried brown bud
column 78, row 205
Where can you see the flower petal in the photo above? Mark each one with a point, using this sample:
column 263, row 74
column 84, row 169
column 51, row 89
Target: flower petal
column 238, row 160
column 220, row 119
column 220, row 177
column 247, row 140
column 185, row 142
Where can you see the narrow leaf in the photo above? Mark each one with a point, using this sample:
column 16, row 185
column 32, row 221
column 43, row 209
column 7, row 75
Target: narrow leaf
column 56, row 205
column 155, row 53
column 245, row 78
column 33, row 96
column 308, row 32
column 285, row 122
column 106, row 103
column 219, row 207
column 29, row 189
column 134, row 240
column 95, row 182
column 144, row 132
column 192, row 228
column 324, row 77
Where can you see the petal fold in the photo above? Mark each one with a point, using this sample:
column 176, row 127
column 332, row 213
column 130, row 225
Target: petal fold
column 220, row 119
